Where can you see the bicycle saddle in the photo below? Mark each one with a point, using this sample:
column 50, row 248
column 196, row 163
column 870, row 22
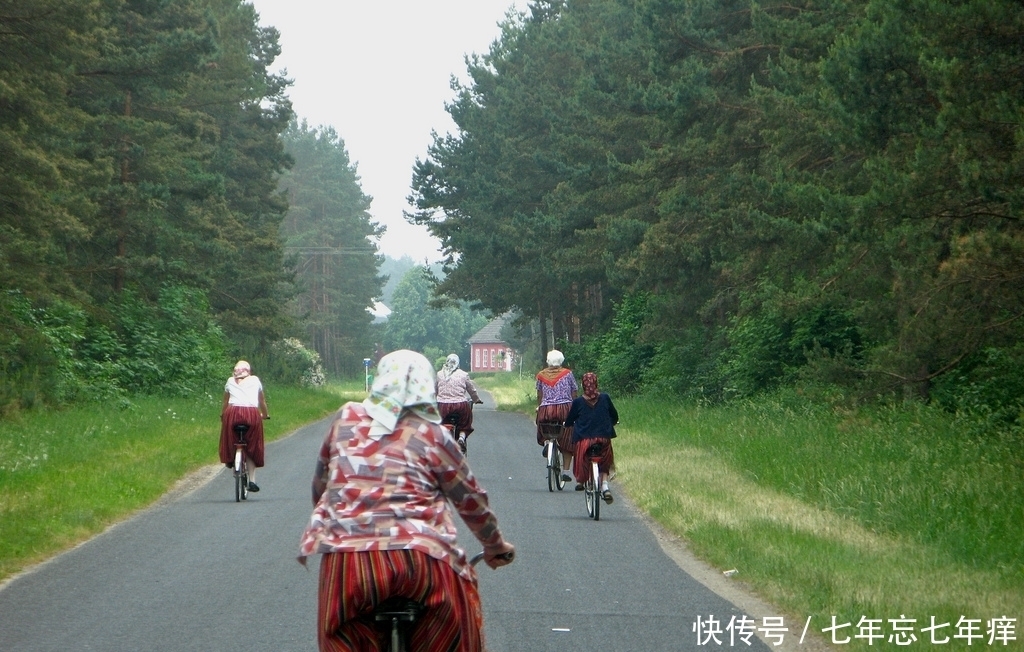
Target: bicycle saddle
column 398, row 608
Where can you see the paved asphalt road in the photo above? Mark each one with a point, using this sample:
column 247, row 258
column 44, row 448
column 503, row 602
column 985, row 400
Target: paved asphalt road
column 199, row 572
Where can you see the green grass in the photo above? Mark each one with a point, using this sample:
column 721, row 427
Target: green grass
column 880, row 512
column 67, row 475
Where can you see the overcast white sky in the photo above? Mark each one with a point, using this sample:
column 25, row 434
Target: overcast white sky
column 378, row 71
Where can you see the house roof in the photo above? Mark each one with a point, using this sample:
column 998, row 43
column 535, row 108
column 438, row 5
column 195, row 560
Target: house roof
column 489, row 333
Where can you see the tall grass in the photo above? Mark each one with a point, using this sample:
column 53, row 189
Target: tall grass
column 879, row 512
column 64, row 476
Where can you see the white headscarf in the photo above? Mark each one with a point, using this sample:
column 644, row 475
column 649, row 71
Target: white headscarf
column 241, row 370
column 450, row 365
column 404, row 383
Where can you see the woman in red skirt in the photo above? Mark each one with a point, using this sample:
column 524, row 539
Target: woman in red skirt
column 243, row 403
column 556, row 389
column 593, row 417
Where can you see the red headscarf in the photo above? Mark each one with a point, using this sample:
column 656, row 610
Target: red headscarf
column 589, row 383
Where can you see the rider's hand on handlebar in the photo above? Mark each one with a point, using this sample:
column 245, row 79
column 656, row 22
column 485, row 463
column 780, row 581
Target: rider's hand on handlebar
column 500, row 556
column 478, row 401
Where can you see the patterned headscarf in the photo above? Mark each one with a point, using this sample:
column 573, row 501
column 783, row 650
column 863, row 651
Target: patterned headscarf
column 590, row 391
column 450, row 365
column 404, row 383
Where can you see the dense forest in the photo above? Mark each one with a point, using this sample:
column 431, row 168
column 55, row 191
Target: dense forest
column 716, row 198
column 708, row 198
column 148, row 162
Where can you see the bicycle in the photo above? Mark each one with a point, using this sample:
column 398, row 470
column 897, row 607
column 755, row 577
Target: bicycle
column 400, row 614
column 241, row 471
column 592, row 487
column 451, row 424
column 553, row 455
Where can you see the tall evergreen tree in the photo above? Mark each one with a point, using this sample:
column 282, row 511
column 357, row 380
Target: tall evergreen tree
column 331, row 236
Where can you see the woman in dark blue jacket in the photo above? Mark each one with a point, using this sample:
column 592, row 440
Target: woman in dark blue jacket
column 593, row 417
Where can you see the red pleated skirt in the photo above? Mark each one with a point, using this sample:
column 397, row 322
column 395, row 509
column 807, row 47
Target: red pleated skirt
column 581, row 462
column 253, row 438
column 352, row 584
column 463, row 410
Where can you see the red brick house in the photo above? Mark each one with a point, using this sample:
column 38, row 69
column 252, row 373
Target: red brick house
column 486, row 350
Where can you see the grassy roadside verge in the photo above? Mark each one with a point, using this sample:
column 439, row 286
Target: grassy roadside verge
column 65, row 476
column 880, row 513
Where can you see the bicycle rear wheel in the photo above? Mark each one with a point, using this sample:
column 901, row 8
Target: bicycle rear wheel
column 552, row 456
column 239, row 463
column 559, row 480
column 596, row 473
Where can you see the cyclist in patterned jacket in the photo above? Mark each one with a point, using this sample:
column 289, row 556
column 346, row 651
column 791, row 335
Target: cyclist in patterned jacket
column 386, row 482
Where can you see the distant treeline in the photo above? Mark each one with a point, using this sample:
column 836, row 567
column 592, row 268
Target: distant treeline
column 716, row 198
column 142, row 233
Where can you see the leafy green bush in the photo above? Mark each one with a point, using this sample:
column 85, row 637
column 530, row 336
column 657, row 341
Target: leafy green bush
column 767, row 348
column 28, row 362
column 988, row 388
column 54, row 352
column 290, row 362
column 173, row 347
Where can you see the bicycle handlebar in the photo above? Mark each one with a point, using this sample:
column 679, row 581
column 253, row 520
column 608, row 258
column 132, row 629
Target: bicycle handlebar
column 478, row 557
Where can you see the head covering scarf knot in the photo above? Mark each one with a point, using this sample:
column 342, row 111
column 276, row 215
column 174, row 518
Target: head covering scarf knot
column 590, row 392
column 241, row 370
column 404, row 384
column 451, row 363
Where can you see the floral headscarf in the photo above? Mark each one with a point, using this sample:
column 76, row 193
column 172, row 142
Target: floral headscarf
column 450, row 365
column 590, row 392
column 404, row 382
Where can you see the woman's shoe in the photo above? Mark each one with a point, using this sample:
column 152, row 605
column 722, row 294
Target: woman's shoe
column 579, row 486
column 253, row 487
column 607, row 495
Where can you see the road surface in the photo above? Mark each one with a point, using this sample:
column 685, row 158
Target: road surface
column 199, row 571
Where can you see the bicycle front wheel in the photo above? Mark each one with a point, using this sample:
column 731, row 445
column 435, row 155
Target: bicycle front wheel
column 590, row 496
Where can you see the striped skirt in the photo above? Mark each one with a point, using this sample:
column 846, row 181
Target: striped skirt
column 581, row 462
column 352, row 584
column 552, row 414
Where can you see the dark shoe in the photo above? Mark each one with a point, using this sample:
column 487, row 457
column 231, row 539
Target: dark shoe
column 579, row 486
column 566, row 477
column 254, row 487
column 607, row 495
